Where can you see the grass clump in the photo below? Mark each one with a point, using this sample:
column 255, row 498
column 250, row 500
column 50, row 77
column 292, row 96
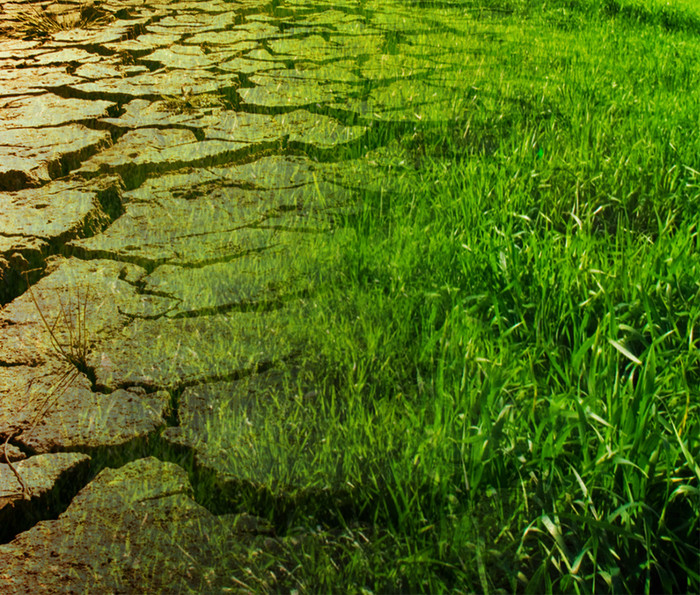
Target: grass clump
column 505, row 347
column 43, row 22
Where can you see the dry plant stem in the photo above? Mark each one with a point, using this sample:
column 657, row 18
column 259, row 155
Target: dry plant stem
column 68, row 377
column 42, row 23
column 59, row 388
column 26, row 493
column 242, row 584
column 76, row 353
column 54, row 340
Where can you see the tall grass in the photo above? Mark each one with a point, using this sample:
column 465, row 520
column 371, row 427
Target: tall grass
column 505, row 343
column 496, row 381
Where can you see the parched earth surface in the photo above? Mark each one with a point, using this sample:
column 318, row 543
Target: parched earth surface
column 162, row 167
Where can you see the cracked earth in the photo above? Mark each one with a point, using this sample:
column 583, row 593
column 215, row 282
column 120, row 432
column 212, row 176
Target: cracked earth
column 160, row 168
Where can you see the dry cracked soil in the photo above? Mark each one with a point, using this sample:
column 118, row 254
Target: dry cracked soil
column 161, row 165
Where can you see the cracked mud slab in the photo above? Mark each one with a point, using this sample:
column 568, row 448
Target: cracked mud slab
column 155, row 150
column 133, row 526
column 36, row 223
column 200, row 216
column 139, row 238
column 44, row 399
column 164, row 173
column 41, row 111
column 81, row 301
column 34, row 81
column 39, row 474
column 44, row 478
column 201, row 131
column 186, row 350
column 32, row 157
column 152, row 85
column 61, row 210
column 50, row 414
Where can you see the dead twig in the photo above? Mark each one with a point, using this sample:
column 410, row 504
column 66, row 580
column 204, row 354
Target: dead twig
column 26, row 492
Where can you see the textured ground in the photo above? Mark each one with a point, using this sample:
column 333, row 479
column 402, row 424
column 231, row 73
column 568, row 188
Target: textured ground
column 159, row 171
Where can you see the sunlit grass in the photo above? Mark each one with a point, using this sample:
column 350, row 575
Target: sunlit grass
column 494, row 372
column 505, row 345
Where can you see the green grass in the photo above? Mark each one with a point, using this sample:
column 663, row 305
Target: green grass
column 504, row 340
column 670, row 14
column 497, row 367
column 497, row 370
